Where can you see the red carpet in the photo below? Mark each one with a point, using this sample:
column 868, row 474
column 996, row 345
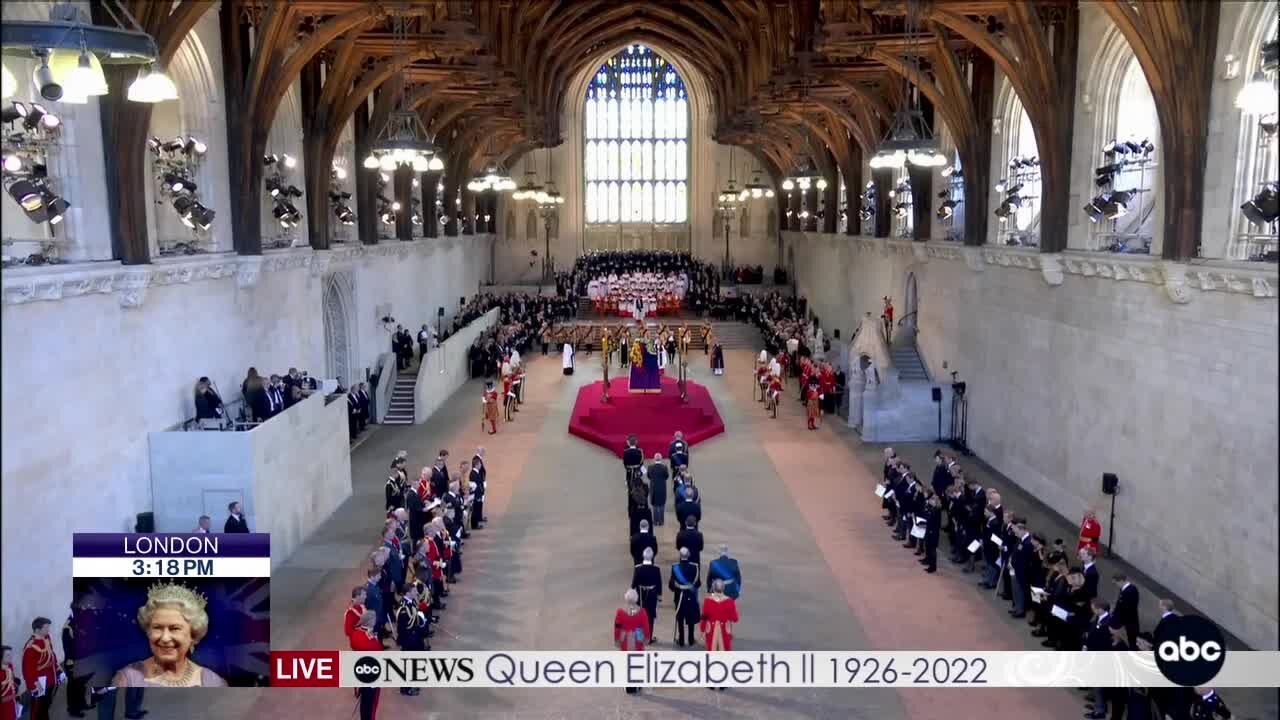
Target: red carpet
column 653, row 418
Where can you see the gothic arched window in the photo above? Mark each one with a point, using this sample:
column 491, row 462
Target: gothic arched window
column 636, row 137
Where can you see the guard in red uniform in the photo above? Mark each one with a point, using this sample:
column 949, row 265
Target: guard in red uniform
column 1090, row 532
column 813, row 404
column 719, row 613
column 439, row 554
column 39, row 661
column 631, row 628
column 806, row 372
column 775, row 393
column 423, row 488
column 364, row 638
column 351, row 620
column 491, row 407
column 827, row 386
column 8, row 685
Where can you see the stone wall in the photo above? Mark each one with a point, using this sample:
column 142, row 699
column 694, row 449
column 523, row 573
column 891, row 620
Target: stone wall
column 1079, row 364
column 99, row 355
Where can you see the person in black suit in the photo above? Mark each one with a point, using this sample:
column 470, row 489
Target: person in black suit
column 690, row 538
column 1167, row 611
column 941, row 473
column 678, row 451
column 362, row 404
column 1090, row 573
column 1020, row 559
column 208, row 402
column 272, row 400
column 641, row 540
column 440, row 475
column 235, row 520
column 1098, row 639
column 690, row 504
column 993, row 540
column 932, row 533
column 1208, row 705
column 632, row 457
column 658, row 477
column 353, row 414
column 1126, row 607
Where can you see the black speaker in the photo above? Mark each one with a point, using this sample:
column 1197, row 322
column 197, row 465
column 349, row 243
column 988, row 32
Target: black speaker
column 958, row 388
column 937, row 394
column 1110, row 483
column 146, row 523
column 440, row 312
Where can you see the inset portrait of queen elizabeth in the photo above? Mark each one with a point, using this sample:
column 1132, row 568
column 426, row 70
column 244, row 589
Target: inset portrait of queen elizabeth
column 174, row 621
column 178, row 633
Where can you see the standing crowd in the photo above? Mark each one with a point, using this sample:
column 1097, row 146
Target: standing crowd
column 646, row 496
column 1058, row 590
column 418, row 557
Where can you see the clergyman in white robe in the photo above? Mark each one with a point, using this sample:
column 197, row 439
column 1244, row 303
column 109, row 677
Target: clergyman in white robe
column 566, row 360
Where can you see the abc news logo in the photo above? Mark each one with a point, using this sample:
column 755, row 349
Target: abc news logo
column 1189, row 650
column 369, row 670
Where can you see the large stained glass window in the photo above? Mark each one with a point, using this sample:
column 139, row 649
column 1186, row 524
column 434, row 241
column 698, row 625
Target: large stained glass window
column 636, row 159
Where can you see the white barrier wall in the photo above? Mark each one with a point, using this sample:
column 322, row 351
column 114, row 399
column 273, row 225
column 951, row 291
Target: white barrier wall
column 445, row 369
column 290, row 473
column 1084, row 363
column 98, row 355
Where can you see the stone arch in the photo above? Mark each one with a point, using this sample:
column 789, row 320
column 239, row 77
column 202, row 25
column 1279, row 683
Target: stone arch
column 286, row 137
column 199, row 112
column 337, row 300
column 1112, row 64
column 1258, row 24
column 1017, row 137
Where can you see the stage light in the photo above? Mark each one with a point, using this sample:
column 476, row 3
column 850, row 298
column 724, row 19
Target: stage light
column 1094, row 209
column 12, row 163
column 84, row 78
column 435, row 164
column 1001, row 185
column 269, row 160
column 1264, row 207
column 194, row 147
column 203, row 216
column 177, row 183
column 387, row 163
column 294, row 191
column 1258, row 96
column 27, row 194
column 56, row 208
column 289, row 161
column 395, row 205
column 947, row 209
column 339, row 173
column 183, row 204
column 152, row 86
column 43, row 79
column 371, row 163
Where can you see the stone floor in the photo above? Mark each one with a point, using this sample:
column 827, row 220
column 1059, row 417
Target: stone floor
column 820, row 570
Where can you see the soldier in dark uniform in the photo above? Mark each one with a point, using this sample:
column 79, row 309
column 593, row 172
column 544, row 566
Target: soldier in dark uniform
column 684, row 583
column 411, row 629
column 76, row 685
column 641, row 541
column 632, row 456
column 394, row 488
column 646, row 580
column 477, row 479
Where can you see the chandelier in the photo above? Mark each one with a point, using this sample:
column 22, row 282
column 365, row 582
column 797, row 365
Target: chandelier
column 804, row 177
column 909, row 140
column 548, row 200
column 729, row 197
column 757, row 189
column 71, row 52
column 495, row 179
column 403, row 141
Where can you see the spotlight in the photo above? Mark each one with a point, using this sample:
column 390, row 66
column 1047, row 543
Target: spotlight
column 16, row 111
column 371, row 163
column 39, row 171
column 202, row 216
column 294, row 191
column 947, row 209
column 339, row 173
column 49, row 88
column 183, row 205
column 269, row 160
column 1094, row 209
column 416, row 183
column 27, row 194
column 273, row 187
column 1263, row 208
column 12, row 163
column 154, row 144
column 1005, row 210
column 289, row 161
column 1109, row 149
column 395, row 205
column 57, row 208
column 944, row 195
column 1001, row 185
column 177, row 183
column 900, row 210
column 37, row 116
column 194, row 147
column 1013, row 190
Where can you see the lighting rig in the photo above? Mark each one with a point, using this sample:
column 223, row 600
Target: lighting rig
column 283, row 196
column 951, row 198
column 174, row 164
column 867, row 213
column 31, row 134
column 1120, row 158
column 340, row 201
column 901, row 193
column 1017, row 185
